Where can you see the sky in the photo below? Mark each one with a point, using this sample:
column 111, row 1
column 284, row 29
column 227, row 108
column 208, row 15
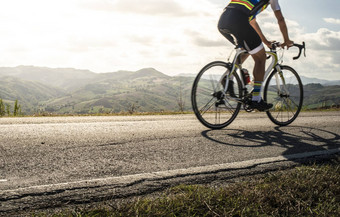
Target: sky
column 172, row 36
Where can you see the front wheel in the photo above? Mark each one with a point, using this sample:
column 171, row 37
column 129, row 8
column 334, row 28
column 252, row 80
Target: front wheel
column 284, row 90
column 213, row 107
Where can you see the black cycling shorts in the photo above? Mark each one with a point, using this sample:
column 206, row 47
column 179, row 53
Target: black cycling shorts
column 234, row 25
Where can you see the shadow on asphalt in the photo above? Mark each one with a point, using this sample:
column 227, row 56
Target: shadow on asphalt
column 295, row 139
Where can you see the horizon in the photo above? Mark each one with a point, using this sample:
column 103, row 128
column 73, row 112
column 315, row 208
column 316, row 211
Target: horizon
column 122, row 70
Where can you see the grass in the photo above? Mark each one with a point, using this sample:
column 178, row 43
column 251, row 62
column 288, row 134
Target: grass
column 304, row 191
column 46, row 114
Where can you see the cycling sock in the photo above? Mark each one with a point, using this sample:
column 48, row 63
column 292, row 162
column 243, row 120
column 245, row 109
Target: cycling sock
column 257, row 91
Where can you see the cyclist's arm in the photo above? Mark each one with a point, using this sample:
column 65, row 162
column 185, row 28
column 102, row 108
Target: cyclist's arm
column 257, row 28
column 283, row 28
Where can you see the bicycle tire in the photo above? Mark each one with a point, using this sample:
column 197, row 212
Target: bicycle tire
column 285, row 91
column 206, row 99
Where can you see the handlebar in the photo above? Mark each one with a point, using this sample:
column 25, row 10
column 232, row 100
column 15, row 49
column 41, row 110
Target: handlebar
column 300, row 46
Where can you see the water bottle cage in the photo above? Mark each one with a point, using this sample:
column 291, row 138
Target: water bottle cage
column 245, row 76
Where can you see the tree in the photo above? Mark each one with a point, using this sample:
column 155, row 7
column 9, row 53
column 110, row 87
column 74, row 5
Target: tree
column 132, row 108
column 17, row 108
column 8, row 109
column 2, row 108
column 180, row 98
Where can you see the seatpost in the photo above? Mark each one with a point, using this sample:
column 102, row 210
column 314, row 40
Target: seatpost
column 238, row 61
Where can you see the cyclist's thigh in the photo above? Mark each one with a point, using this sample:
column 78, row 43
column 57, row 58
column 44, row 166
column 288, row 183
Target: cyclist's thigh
column 260, row 56
column 249, row 39
column 229, row 24
column 235, row 26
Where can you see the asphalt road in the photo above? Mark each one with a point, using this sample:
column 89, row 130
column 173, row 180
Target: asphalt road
column 49, row 157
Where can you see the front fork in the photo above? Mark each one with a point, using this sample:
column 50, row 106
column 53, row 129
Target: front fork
column 282, row 90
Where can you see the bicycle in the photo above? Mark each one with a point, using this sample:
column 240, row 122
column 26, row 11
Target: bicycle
column 216, row 105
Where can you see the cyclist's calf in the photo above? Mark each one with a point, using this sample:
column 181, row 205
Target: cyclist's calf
column 260, row 65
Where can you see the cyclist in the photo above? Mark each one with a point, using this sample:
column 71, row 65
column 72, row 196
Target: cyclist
column 238, row 24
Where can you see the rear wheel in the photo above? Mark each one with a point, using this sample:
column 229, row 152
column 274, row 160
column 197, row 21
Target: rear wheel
column 214, row 108
column 284, row 90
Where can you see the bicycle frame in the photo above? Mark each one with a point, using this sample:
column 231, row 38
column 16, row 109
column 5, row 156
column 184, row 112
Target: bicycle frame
column 234, row 66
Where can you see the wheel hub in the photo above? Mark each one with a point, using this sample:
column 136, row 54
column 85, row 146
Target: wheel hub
column 284, row 95
column 219, row 95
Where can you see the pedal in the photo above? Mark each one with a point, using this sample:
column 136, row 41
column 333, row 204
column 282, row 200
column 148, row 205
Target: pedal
column 247, row 108
column 247, row 102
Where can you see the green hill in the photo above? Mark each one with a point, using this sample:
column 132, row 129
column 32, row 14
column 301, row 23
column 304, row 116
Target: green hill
column 319, row 96
column 146, row 90
column 69, row 91
column 30, row 94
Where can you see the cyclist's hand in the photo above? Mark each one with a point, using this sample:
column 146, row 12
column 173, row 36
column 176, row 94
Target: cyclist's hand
column 287, row 44
column 269, row 43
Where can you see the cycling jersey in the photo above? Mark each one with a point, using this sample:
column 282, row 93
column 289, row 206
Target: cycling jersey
column 234, row 22
column 254, row 7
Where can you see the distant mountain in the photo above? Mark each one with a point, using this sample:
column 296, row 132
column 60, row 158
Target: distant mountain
column 145, row 90
column 65, row 78
column 69, row 91
column 307, row 80
column 187, row 75
column 82, row 91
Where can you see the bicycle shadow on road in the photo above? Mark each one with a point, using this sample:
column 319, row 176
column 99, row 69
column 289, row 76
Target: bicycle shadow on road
column 294, row 139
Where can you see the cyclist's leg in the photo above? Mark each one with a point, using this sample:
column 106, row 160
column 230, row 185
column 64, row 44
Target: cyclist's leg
column 228, row 25
column 260, row 63
column 254, row 45
column 259, row 71
column 244, row 57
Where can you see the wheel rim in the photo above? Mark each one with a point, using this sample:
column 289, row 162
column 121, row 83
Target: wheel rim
column 212, row 107
column 286, row 99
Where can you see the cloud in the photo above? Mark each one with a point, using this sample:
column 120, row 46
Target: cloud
column 204, row 42
column 323, row 49
column 152, row 7
column 98, row 5
column 174, row 8
column 142, row 40
column 201, row 40
column 332, row 20
column 270, row 27
column 336, row 59
column 89, row 44
column 174, row 36
column 324, row 39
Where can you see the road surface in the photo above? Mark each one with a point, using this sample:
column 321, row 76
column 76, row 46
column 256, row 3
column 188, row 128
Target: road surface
column 85, row 159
